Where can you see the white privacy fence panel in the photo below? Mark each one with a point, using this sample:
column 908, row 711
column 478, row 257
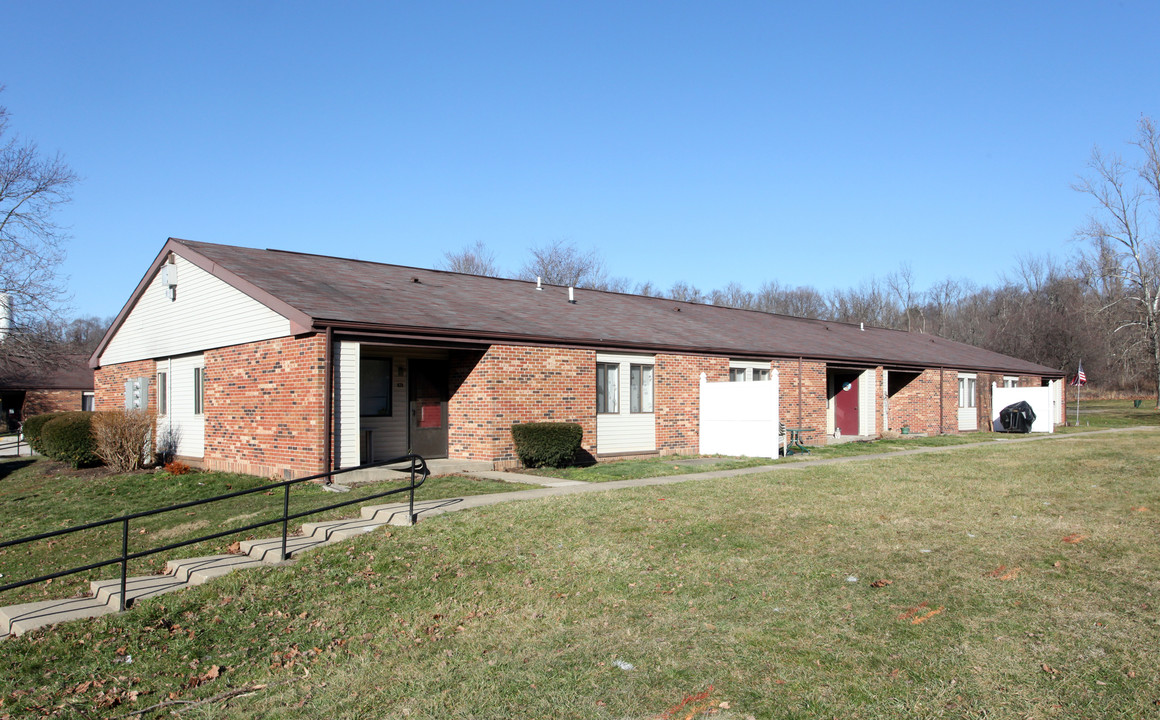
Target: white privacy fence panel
column 1039, row 398
column 740, row 418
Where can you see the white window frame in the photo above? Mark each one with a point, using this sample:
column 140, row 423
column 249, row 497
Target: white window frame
column 641, row 387
column 1010, row 381
column 199, row 391
column 968, row 390
column 749, row 370
column 162, row 393
column 608, row 378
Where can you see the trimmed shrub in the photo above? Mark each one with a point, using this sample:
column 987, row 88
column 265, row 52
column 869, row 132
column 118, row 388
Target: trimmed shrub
column 69, row 438
column 547, row 444
column 32, row 427
column 124, row 438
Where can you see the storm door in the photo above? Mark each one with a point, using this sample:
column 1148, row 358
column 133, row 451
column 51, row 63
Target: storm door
column 428, row 405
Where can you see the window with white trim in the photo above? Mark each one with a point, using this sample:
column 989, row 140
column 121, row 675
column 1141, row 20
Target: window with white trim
column 967, row 386
column 162, row 394
column 640, row 388
column 607, row 388
column 748, row 371
column 198, row 390
column 1009, row 381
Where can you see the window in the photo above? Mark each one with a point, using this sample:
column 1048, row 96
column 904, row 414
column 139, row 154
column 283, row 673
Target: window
column 748, row 371
column 198, row 390
column 375, row 386
column 640, row 388
column 1009, row 381
column 162, row 395
column 87, row 401
column 967, row 391
column 607, row 388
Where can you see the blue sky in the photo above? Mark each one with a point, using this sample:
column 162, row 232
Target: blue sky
column 809, row 143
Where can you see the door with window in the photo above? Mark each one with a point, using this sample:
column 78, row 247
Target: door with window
column 428, row 408
column 968, row 394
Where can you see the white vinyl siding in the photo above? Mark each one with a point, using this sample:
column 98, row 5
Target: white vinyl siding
column 968, row 415
column 346, row 399
column 623, row 430
column 867, row 390
column 184, row 420
column 207, row 313
column 389, row 432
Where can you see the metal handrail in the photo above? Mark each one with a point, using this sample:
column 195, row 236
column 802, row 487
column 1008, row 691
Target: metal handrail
column 17, row 443
column 418, row 466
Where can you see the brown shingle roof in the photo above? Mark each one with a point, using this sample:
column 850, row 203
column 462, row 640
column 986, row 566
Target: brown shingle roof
column 392, row 298
column 61, row 372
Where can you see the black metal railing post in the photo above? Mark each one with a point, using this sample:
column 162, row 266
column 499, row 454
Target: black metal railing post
column 411, row 494
column 285, row 517
column 124, row 561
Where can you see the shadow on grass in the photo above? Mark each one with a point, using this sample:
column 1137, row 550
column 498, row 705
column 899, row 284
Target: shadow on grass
column 7, row 468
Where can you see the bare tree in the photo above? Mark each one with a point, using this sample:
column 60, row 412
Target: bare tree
column 474, row 259
column 901, row 283
column 870, row 303
column 734, row 296
column 32, row 187
column 1124, row 232
column 560, row 262
column 686, row 292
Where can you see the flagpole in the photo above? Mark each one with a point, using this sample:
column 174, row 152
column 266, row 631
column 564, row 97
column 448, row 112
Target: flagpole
column 1078, row 387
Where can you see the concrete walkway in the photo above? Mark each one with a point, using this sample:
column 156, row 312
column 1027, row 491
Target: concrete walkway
column 179, row 574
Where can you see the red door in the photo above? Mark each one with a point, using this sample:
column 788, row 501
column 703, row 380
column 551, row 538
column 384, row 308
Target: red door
column 846, row 404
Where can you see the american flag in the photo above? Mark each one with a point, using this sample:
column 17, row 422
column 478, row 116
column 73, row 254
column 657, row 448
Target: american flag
column 1080, row 377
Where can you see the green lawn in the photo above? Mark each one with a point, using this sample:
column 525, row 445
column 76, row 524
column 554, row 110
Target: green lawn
column 39, row 496
column 1018, row 580
column 1094, row 414
column 645, row 467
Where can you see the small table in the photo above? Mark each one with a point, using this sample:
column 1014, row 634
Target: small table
column 794, row 438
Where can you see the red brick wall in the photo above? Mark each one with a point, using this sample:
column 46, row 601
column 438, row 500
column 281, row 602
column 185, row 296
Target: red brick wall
column 917, row 405
column 109, row 383
column 264, row 407
column 677, row 399
column 37, row 402
column 506, row 384
column 810, row 377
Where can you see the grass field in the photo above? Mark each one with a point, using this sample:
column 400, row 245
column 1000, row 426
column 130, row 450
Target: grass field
column 40, row 496
column 1011, row 580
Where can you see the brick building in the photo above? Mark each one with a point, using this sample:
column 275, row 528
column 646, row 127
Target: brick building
column 281, row 363
column 61, row 383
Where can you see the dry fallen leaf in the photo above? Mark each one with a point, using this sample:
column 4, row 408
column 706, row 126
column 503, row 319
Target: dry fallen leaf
column 881, row 583
column 1075, row 538
column 1049, row 670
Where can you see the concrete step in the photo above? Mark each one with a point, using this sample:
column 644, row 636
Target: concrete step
column 334, row 530
column 196, row 571
column 389, row 514
column 108, row 592
column 269, row 550
column 19, row 619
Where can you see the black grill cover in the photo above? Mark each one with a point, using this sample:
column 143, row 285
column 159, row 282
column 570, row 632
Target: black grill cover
column 1017, row 417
